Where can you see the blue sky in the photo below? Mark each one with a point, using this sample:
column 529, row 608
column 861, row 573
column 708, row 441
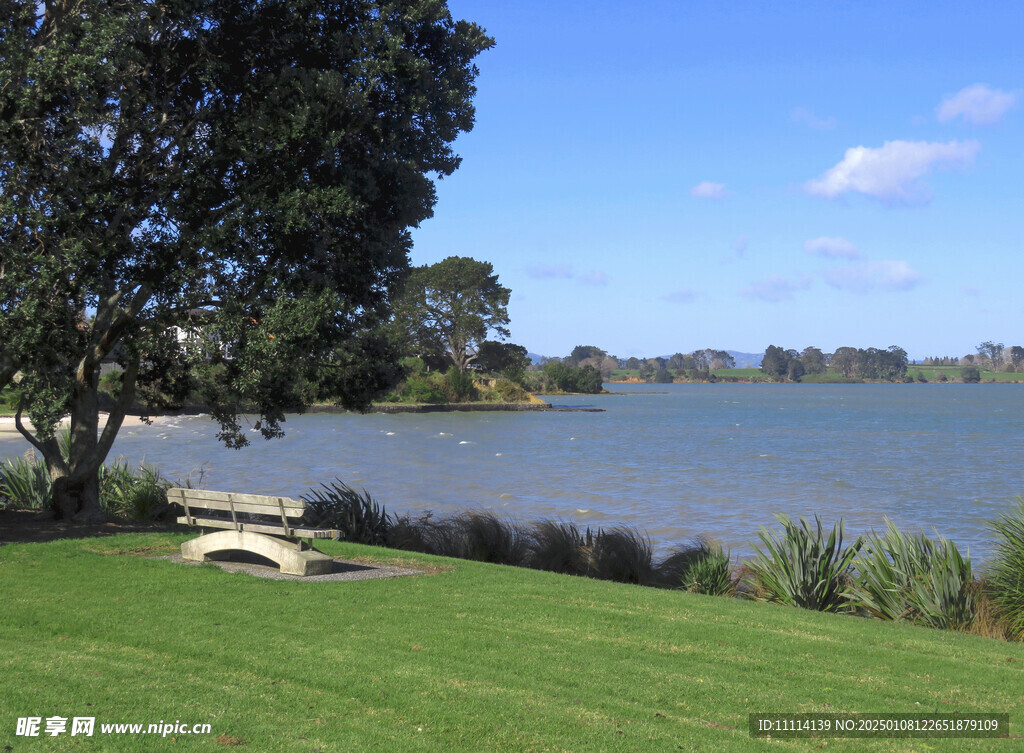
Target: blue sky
column 667, row 176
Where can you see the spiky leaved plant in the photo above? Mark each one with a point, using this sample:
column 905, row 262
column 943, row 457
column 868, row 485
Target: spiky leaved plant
column 905, row 577
column 24, row 482
column 1006, row 575
column 700, row 568
column 356, row 515
column 803, row 568
column 137, row 494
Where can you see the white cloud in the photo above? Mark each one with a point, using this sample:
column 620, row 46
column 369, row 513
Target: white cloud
column 805, row 116
column 708, row 190
column 545, row 272
column 775, row 288
column 832, row 248
column 976, row 104
column 593, row 278
column 892, row 172
column 681, row 296
column 893, row 276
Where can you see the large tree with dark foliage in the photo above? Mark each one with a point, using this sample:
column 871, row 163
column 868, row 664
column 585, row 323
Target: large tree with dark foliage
column 243, row 170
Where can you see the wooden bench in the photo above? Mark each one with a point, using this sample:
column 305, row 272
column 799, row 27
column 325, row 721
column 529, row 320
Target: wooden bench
column 271, row 536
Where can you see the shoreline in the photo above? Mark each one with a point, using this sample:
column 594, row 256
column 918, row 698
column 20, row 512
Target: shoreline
column 8, row 429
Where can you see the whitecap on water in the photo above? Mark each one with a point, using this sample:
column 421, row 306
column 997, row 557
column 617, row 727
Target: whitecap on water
column 389, row 434
column 504, row 495
column 465, row 442
column 498, row 454
column 443, row 434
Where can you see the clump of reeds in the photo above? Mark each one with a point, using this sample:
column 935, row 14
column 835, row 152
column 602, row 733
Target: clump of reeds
column 622, row 555
column 558, row 547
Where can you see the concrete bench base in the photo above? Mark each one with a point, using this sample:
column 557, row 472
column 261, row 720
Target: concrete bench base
column 284, row 553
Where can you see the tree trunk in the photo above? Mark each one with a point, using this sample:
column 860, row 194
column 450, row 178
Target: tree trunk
column 78, row 500
column 75, row 493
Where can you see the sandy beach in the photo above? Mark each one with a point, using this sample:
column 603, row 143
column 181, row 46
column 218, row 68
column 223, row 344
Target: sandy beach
column 8, row 429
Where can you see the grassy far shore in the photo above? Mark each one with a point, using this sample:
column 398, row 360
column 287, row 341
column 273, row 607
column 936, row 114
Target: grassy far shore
column 470, row 657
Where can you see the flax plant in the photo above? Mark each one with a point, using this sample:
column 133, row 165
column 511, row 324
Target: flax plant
column 1006, row 576
column 802, row 568
column 916, row 579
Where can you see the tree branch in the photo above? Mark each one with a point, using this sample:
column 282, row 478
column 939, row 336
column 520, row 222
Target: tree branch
column 116, row 416
column 49, row 448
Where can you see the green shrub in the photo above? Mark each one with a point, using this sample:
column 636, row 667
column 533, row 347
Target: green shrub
column 560, row 377
column 702, row 568
column 916, row 579
column 414, row 366
column 423, row 390
column 510, row 392
column 711, row 575
column 25, row 482
column 137, row 494
column 9, row 397
column 1006, row 574
column 458, row 385
column 663, row 376
column 803, row 568
column 970, row 374
column 112, row 382
column 355, row 515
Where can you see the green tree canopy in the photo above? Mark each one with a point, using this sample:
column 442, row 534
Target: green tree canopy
column 258, row 160
column 506, row 358
column 451, row 306
column 813, row 360
column 775, row 362
column 583, row 352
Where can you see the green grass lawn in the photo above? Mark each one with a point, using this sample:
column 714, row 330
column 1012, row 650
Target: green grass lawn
column 473, row 657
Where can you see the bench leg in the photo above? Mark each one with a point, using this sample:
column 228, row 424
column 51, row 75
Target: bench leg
column 292, row 562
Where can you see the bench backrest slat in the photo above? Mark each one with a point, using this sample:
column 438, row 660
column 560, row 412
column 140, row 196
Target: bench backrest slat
column 204, row 499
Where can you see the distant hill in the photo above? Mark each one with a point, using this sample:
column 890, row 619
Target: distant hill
column 743, row 360
column 746, row 360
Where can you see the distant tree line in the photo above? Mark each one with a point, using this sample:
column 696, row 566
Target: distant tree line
column 862, row 363
column 989, row 355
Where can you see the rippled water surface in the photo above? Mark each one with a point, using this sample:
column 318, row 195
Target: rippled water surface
column 674, row 460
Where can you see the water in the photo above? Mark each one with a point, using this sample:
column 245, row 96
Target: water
column 675, row 461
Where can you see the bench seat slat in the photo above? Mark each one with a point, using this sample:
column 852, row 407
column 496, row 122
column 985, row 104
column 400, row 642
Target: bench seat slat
column 304, row 533
column 202, row 499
